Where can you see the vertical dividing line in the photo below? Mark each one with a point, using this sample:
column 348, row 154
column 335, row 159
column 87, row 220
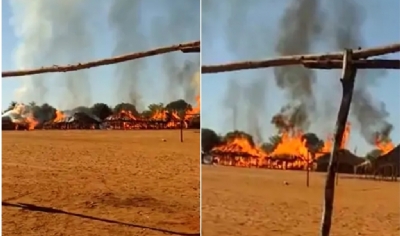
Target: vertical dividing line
column 201, row 117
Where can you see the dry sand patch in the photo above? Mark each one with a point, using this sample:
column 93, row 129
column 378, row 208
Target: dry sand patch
column 100, row 183
column 256, row 202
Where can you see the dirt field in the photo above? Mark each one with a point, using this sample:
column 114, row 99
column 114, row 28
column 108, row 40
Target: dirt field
column 237, row 201
column 100, row 183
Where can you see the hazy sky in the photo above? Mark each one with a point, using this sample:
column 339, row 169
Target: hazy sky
column 153, row 80
column 257, row 39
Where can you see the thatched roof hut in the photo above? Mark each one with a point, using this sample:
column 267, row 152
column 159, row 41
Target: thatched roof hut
column 347, row 161
column 391, row 157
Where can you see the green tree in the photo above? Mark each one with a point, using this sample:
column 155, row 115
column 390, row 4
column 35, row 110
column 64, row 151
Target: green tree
column 101, row 110
column 271, row 145
column 313, row 142
column 42, row 113
column 126, row 107
column 373, row 154
column 178, row 105
column 268, row 147
column 82, row 109
column 153, row 108
column 32, row 104
column 209, row 139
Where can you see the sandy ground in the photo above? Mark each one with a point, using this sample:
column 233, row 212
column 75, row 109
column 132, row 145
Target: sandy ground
column 238, row 201
column 100, row 183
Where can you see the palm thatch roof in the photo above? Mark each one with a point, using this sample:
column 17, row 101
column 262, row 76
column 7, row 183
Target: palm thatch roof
column 391, row 157
column 344, row 157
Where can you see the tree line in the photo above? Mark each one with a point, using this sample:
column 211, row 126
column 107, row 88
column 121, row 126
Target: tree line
column 210, row 139
column 47, row 112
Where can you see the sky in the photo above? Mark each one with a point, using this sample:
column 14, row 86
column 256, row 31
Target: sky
column 153, row 81
column 381, row 26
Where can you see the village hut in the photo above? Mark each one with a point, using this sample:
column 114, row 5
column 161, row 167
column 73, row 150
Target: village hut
column 12, row 121
column 8, row 124
column 194, row 122
column 346, row 161
column 75, row 120
column 388, row 164
column 124, row 120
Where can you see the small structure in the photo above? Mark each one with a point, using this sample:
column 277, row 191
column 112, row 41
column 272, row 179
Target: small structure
column 388, row 165
column 76, row 120
column 346, row 162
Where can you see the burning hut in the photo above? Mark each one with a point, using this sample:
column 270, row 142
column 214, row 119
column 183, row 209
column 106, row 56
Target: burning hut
column 19, row 118
column 124, row 120
column 290, row 153
column 9, row 124
column 170, row 119
column 389, row 164
column 238, row 152
column 73, row 120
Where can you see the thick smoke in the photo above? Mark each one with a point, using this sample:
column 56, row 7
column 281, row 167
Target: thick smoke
column 174, row 22
column 245, row 38
column 52, row 32
column 299, row 28
column 370, row 115
column 178, row 21
column 231, row 101
column 125, row 18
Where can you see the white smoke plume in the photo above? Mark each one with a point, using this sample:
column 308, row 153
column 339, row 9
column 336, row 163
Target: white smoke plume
column 50, row 33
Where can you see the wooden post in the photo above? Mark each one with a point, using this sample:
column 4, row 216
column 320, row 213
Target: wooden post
column 347, row 80
column 181, row 130
column 337, row 169
column 308, row 170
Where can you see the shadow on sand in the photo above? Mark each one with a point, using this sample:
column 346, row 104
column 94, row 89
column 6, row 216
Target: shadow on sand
column 31, row 207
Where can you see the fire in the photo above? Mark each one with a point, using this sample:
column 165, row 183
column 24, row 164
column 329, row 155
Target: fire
column 328, row 142
column 239, row 152
column 384, row 146
column 292, row 145
column 60, row 116
column 290, row 153
column 22, row 115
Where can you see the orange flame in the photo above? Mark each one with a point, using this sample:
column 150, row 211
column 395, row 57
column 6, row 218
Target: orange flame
column 290, row 153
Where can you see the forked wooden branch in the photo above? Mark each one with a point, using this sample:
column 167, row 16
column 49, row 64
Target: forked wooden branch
column 184, row 47
column 348, row 77
column 300, row 59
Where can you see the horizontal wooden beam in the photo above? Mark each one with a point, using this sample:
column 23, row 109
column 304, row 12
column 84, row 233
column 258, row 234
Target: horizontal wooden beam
column 359, row 64
column 298, row 59
column 108, row 61
column 195, row 49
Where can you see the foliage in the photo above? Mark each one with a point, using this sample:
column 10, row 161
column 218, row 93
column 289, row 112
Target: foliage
column 313, row 142
column 179, row 106
column 101, row 110
column 46, row 112
column 128, row 107
column 372, row 155
column 209, row 139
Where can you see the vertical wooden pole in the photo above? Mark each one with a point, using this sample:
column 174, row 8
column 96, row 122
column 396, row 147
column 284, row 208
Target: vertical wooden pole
column 347, row 80
column 337, row 169
column 308, row 170
column 181, row 132
column 182, row 117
